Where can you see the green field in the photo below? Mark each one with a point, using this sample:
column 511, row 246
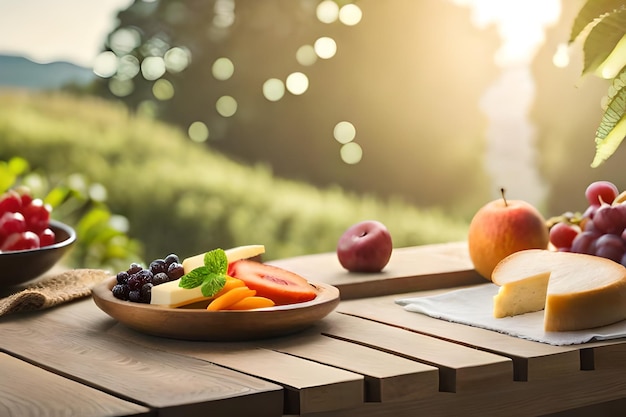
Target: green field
column 181, row 197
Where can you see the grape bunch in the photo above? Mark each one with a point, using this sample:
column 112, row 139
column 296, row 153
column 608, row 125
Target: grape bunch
column 24, row 221
column 600, row 230
column 135, row 284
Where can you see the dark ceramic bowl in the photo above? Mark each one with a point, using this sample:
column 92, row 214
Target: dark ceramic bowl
column 21, row 266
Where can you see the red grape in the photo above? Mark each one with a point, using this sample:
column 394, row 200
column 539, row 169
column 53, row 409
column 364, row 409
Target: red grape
column 599, row 192
column 20, row 241
column 609, row 219
column 562, row 235
column 610, row 247
column 47, row 237
column 585, row 242
column 37, row 215
column 11, row 223
column 10, row 202
column 24, row 221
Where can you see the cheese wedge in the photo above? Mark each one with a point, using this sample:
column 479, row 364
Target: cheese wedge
column 171, row 295
column 576, row 291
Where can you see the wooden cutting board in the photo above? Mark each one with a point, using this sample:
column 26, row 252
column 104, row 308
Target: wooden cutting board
column 410, row 269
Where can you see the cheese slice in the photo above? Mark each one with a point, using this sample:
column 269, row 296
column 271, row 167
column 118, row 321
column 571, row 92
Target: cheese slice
column 576, row 291
column 170, row 294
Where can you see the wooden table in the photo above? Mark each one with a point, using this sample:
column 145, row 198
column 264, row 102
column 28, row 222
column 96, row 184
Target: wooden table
column 368, row 358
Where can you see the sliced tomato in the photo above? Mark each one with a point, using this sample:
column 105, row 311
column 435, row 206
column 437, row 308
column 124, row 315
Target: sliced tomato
column 277, row 284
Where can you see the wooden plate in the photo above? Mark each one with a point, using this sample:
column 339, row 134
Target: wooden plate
column 224, row 326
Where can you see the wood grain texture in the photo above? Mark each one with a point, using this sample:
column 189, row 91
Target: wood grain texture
column 387, row 377
column 29, row 391
column 531, row 360
column 70, row 341
column 409, row 269
column 309, row 386
column 460, row 368
column 520, row 399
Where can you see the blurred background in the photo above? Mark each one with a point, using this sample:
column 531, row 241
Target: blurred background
column 425, row 108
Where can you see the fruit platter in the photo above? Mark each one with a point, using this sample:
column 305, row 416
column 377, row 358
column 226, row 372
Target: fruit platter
column 220, row 295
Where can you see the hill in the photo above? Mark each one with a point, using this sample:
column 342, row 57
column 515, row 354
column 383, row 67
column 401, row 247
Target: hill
column 17, row 71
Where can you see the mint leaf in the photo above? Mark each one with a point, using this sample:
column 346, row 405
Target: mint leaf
column 216, row 261
column 193, row 278
column 211, row 276
column 212, row 284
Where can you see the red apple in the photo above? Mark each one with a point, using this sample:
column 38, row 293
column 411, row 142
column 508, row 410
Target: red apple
column 365, row 247
column 502, row 227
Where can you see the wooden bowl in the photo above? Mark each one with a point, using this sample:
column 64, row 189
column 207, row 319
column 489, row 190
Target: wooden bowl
column 17, row 267
column 223, row 326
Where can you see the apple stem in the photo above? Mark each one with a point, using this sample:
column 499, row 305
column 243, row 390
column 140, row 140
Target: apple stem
column 503, row 197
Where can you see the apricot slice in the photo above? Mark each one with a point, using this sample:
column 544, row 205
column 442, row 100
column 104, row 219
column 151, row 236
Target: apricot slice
column 277, row 284
column 231, row 283
column 229, row 298
column 250, row 303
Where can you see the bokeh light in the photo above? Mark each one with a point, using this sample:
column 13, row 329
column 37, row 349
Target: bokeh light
column 127, row 67
column 124, row 40
column 350, row 14
column 121, row 88
column 273, row 89
column 152, row 67
column 222, row 69
column 105, row 64
column 198, row 132
column 327, row 11
column 177, row 59
column 560, row 59
column 163, row 89
column 351, row 153
column 344, row 132
column 306, row 56
column 297, row 83
column 325, row 47
column 226, row 106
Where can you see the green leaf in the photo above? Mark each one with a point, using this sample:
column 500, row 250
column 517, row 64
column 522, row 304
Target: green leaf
column 612, row 128
column 213, row 283
column 591, row 11
column 57, row 196
column 216, row 261
column 7, row 177
column 603, row 38
column 18, row 166
column 193, row 278
column 615, row 108
column 212, row 276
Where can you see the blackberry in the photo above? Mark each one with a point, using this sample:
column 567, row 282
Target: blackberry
column 121, row 291
column 171, row 258
column 158, row 265
column 122, row 277
column 134, row 296
column 160, row 278
column 134, row 268
column 145, row 293
column 135, row 284
column 175, row 271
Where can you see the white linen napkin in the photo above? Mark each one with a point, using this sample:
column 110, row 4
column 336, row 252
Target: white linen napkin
column 473, row 306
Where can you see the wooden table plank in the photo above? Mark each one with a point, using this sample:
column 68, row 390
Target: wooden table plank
column 460, row 368
column 80, row 349
column 387, row 377
column 531, row 360
column 29, row 391
column 520, row 399
column 409, row 269
column 309, row 386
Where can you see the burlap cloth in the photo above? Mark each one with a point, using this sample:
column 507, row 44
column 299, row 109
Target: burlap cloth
column 57, row 289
